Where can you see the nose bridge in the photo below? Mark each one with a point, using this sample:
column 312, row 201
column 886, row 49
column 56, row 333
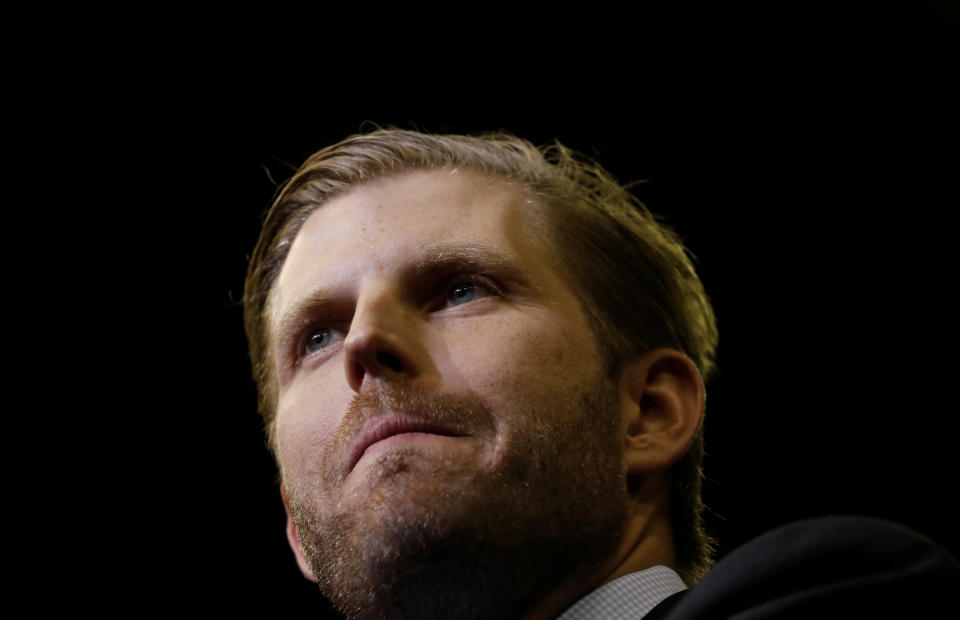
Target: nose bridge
column 383, row 341
column 378, row 307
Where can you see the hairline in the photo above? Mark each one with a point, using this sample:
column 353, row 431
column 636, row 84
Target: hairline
column 343, row 169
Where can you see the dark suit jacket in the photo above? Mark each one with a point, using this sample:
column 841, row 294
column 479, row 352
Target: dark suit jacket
column 833, row 567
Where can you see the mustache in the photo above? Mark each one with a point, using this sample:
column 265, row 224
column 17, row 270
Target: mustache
column 461, row 414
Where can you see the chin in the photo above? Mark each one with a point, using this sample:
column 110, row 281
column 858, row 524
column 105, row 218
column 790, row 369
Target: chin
column 426, row 546
column 423, row 533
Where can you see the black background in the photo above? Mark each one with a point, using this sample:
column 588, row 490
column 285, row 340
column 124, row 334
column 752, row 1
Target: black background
column 808, row 158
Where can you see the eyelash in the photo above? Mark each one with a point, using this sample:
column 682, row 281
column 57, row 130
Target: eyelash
column 473, row 280
column 301, row 353
column 478, row 281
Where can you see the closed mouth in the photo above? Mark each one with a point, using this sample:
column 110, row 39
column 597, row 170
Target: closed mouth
column 378, row 429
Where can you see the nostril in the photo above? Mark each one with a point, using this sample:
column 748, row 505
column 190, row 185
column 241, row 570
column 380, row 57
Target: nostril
column 389, row 360
column 355, row 373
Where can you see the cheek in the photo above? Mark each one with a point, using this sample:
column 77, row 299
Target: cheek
column 522, row 357
column 307, row 418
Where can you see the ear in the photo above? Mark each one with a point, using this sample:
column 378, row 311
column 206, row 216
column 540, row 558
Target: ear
column 662, row 399
column 294, row 540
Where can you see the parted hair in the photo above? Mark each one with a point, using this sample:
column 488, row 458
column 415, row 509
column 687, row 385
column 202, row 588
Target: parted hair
column 636, row 279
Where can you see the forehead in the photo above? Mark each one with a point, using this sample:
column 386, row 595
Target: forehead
column 380, row 224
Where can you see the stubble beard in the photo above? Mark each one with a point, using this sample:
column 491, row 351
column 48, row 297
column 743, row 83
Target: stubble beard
column 451, row 540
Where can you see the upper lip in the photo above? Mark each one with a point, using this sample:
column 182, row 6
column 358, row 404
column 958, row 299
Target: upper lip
column 379, row 428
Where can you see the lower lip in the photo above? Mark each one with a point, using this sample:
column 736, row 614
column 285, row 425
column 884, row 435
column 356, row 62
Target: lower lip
column 399, row 439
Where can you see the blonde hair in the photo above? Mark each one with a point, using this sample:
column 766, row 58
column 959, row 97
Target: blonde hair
column 637, row 281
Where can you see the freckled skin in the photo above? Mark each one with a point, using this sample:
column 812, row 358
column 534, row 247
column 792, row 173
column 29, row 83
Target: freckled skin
column 519, row 370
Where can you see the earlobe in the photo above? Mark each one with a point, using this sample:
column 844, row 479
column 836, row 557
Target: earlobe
column 662, row 402
column 294, row 540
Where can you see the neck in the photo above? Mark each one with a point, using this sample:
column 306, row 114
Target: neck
column 647, row 542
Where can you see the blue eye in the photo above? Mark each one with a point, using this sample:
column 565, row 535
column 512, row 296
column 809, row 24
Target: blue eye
column 465, row 292
column 462, row 293
column 320, row 339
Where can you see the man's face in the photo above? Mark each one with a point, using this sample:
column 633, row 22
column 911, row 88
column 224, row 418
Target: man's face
column 441, row 398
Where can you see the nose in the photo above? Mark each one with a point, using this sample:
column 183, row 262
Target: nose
column 382, row 342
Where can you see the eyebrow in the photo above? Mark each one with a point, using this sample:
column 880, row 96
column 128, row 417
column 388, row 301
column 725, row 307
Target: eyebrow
column 469, row 257
column 431, row 259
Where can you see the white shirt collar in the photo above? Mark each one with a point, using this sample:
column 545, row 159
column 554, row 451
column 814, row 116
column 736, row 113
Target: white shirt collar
column 629, row 597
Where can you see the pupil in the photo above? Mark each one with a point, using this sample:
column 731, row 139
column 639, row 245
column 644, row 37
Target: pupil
column 318, row 338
